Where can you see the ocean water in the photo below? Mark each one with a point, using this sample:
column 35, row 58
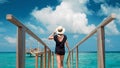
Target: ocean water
column 86, row 60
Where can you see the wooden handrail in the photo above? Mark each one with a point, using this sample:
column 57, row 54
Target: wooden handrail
column 21, row 35
column 104, row 23
column 100, row 30
column 19, row 24
column 20, row 51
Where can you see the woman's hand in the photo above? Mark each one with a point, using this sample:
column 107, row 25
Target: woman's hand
column 52, row 36
column 54, row 33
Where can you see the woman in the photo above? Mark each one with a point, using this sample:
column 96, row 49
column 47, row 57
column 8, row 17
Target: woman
column 61, row 39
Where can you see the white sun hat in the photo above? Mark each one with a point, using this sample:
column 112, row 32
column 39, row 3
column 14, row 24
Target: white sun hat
column 60, row 30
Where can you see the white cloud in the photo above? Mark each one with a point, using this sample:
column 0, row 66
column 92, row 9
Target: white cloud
column 107, row 10
column 31, row 26
column 3, row 1
column 41, row 30
column 109, row 43
column 38, row 29
column 75, row 36
column 111, row 29
column 107, row 40
column 50, row 43
column 77, row 5
column 32, row 43
column 70, row 14
column 30, row 40
column 10, row 39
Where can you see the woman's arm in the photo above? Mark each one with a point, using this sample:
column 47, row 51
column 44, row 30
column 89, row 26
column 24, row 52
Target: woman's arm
column 51, row 37
column 67, row 45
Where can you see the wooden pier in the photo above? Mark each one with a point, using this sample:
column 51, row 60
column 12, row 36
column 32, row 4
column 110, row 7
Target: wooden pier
column 22, row 30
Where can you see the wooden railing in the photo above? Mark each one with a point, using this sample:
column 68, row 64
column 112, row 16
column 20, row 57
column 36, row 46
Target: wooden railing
column 20, row 52
column 101, row 44
column 21, row 45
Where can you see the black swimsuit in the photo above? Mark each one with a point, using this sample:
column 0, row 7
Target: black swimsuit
column 60, row 48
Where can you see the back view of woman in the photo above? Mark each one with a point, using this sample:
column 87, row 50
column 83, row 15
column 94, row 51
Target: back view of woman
column 61, row 40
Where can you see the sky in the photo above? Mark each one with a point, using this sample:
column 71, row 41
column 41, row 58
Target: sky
column 78, row 17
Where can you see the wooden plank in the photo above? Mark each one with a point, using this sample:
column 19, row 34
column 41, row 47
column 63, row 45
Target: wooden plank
column 20, row 54
column 101, row 48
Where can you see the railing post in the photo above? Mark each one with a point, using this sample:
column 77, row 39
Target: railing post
column 41, row 61
column 52, row 60
column 101, row 48
column 77, row 57
column 20, row 51
column 36, row 56
column 20, row 56
column 72, row 59
column 45, row 53
column 69, row 60
column 49, row 60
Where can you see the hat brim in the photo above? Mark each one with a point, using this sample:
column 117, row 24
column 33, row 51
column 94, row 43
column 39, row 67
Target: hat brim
column 62, row 32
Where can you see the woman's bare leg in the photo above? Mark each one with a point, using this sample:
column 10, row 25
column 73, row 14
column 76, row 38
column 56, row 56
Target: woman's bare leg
column 58, row 61
column 62, row 58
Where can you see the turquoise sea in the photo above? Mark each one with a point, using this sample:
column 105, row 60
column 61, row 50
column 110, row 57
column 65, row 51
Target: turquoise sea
column 86, row 60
